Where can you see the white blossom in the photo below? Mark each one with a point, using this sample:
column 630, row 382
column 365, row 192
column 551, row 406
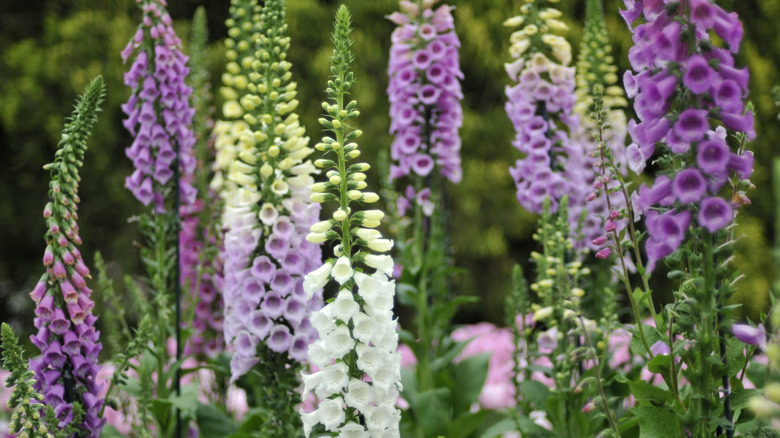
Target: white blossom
column 342, row 270
column 316, row 280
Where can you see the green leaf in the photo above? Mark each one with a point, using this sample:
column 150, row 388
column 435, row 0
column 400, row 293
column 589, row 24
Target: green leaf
column 740, row 398
column 465, row 425
column 445, row 359
column 407, row 294
column 213, row 423
column 756, row 373
column 652, row 335
column 160, row 408
column 735, row 356
column 434, row 410
column 187, row 402
column 448, row 308
column 655, row 422
column 645, row 391
column 110, row 431
column 470, row 375
column 535, row 392
column 254, row 420
column 659, row 365
column 496, row 430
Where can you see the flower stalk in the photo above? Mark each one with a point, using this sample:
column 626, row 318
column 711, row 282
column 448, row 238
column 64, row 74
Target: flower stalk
column 359, row 378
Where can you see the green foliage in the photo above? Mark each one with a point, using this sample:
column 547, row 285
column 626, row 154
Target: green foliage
column 24, row 400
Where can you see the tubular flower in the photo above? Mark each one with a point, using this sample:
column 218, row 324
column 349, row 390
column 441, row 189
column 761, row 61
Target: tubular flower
column 596, row 75
column 67, row 337
column 425, row 92
column 359, row 378
column 201, row 261
column 540, row 107
column 267, row 208
column 688, row 96
column 158, row 113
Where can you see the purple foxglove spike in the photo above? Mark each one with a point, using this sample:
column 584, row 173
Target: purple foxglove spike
column 660, row 348
column 702, row 13
column 740, row 76
column 69, row 292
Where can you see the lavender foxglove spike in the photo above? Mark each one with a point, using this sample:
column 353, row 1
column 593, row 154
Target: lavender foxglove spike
column 66, row 327
column 669, row 67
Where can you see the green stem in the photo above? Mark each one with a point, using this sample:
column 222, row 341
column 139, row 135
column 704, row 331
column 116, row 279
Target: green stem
column 704, row 338
column 616, row 239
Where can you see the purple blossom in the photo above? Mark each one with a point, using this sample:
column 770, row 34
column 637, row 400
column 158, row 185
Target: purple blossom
column 160, row 69
column 425, row 93
column 667, row 68
column 750, row 335
column 715, row 213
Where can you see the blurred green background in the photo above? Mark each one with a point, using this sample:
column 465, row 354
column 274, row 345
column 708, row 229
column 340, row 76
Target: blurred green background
column 49, row 49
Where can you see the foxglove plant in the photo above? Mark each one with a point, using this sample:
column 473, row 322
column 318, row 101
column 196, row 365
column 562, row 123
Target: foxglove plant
column 158, row 113
column 688, row 95
column 160, row 120
column 201, row 264
column 359, row 379
column 266, row 257
column 554, row 341
column 540, row 107
column 672, row 58
column 425, row 94
column 67, row 337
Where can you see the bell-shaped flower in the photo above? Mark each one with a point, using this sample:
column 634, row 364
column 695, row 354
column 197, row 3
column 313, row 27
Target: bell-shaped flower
column 342, row 270
column 715, row 213
column 331, row 413
column 317, row 279
column 345, row 307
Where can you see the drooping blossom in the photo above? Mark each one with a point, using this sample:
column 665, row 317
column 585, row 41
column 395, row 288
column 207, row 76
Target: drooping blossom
column 159, row 116
column 267, row 208
column 540, row 106
column 66, row 336
column 689, row 96
column 425, row 94
column 359, row 375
